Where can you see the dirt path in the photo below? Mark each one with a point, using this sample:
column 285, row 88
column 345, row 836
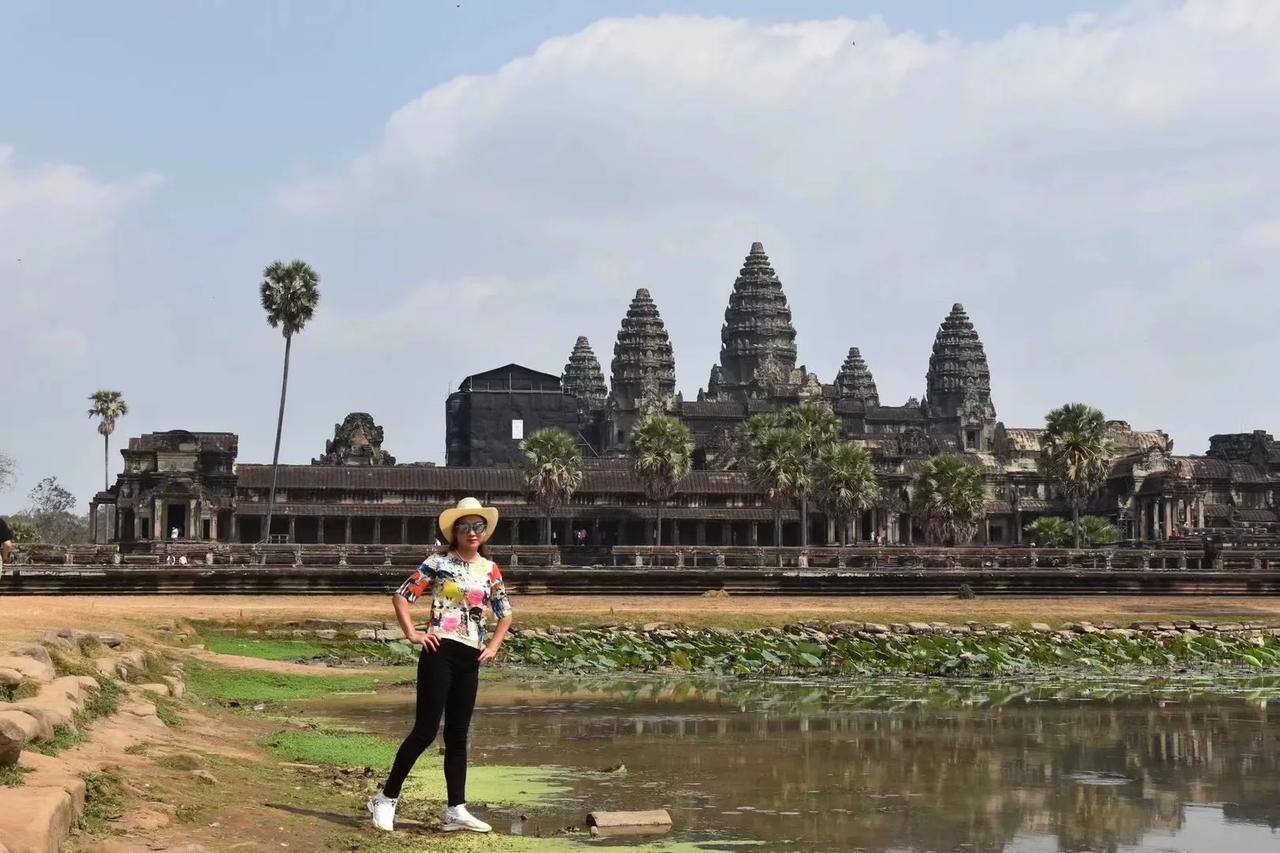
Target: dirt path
column 23, row 616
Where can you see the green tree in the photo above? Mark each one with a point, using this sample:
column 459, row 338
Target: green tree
column 660, row 456
column 24, row 530
column 1096, row 531
column 775, row 464
column 949, row 495
column 844, row 483
column 552, row 471
column 107, row 407
column 1076, row 455
column 290, row 293
column 815, row 426
column 1049, row 531
column 50, row 514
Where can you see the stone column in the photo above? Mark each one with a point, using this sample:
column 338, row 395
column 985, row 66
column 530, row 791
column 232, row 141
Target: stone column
column 320, row 530
column 293, row 528
column 595, row 532
column 93, row 522
column 377, row 530
column 157, row 521
column 515, row 531
column 1200, row 512
column 1142, row 520
column 404, row 531
column 875, row 522
column 754, row 535
column 911, row 532
column 700, row 533
column 213, row 525
column 235, row 527
column 193, row 519
column 831, row 531
column 346, row 539
column 1168, row 518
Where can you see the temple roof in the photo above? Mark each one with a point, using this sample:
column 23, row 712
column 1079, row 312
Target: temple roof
column 959, row 380
column 758, row 340
column 854, row 380
column 644, row 365
column 583, row 378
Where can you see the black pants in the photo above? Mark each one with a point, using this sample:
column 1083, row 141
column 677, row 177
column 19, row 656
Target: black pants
column 447, row 683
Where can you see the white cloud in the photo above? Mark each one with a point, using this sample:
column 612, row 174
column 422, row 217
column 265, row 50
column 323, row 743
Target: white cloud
column 1083, row 188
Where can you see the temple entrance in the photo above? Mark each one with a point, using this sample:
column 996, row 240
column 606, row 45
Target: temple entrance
column 175, row 517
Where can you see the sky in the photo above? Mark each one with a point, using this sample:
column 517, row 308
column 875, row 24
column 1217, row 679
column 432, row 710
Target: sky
column 481, row 182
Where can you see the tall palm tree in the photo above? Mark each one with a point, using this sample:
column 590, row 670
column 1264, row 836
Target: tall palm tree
column 552, row 471
column 290, row 293
column 1076, row 454
column 815, row 426
column 660, row 455
column 844, row 483
column 949, row 495
column 776, row 465
column 107, row 406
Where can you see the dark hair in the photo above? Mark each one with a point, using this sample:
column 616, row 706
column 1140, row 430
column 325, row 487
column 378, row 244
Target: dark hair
column 448, row 546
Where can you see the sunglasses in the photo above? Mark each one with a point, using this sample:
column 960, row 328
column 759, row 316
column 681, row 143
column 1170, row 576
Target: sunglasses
column 462, row 528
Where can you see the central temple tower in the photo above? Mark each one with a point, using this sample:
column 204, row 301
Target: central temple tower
column 757, row 340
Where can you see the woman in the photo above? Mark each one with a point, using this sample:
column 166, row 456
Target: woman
column 463, row 583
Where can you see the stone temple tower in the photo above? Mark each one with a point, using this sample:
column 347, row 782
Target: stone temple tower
column 758, row 342
column 643, row 368
column 582, row 377
column 958, row 384
column 854, row 381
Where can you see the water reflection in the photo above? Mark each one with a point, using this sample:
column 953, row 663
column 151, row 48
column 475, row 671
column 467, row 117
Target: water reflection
column 891, row 766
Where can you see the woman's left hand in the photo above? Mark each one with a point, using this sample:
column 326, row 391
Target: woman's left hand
column 488, row 654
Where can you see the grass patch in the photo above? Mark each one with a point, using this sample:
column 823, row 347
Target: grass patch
column 221, row 684
column 103, row 801
column 185, row 761
column 167, row 711
column 64, row 737
column 25, row 689
column 187, row 813
column 69, row 663
column 262, row 649
column 106, row 701
column 334, row 748
column 11, row 776
column 89, row 645
column 139, row 748
column 155, row 668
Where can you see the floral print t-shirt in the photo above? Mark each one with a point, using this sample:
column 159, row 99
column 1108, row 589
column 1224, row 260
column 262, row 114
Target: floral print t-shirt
column 461, row 592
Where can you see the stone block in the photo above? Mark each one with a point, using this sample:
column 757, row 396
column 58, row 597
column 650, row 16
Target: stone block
column 367, row 634
column 389, row 635
column 920, row 627
column 50, row 772
column 29, row 667
column 12, row 721
column 327, row 634
column 176, row 687
column 51, row 638
column 88, row 684
column 12, row 738
column 43, row 728
column 34, row 820
column 157, row 689
column 67, row 685
column 10, row 678
column 55, row 708
column 134, row 659
column 32, row 650
column 1041, row 628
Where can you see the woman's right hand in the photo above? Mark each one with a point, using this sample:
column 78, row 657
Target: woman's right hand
column 430, row 642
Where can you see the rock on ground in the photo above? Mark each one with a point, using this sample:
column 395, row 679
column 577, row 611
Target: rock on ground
column 34, row 820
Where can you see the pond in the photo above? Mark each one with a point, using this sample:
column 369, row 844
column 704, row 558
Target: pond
column 888, row 765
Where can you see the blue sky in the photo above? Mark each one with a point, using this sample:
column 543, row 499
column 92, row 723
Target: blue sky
column 1095, row 181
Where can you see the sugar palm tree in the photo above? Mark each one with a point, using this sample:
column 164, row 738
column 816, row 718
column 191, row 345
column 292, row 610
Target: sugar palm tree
column 660, row 455
column 107, row 407
column 949, row 496
column 1076, row 454
column 290, row 293
column 1049, row 531
column 1096, row 531
column 776, row 466
column 844, row 483
column 552, row 471
column 815, row 426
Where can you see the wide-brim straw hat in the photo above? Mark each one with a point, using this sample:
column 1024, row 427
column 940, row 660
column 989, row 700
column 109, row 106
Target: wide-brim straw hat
column 465, row 507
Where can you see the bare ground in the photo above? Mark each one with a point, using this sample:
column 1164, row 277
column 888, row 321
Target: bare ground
column 21, row 616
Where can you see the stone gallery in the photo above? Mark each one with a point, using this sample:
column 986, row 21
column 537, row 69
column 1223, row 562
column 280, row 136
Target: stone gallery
column 356, row 492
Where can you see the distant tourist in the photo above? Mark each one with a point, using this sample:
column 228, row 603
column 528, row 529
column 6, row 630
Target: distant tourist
column 173, row 533
column 6, row 544
column 463, row 584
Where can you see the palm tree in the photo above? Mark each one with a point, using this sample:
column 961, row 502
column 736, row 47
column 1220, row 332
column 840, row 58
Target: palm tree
column 776, row 465
column 107, row 405
column 1096, row 531
column 660, row 454
column 552, row 471
column 844, row 483
column 1076, row 454
column 289, row 293
column 1049, row 531
column 815, row 427
column 949, row 494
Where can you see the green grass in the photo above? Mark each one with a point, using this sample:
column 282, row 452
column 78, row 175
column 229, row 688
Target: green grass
column 70, row 663
column 167, row 711
column 139, row 748
column 64, row 737
column 106, row 701
column 25, row 689
column 89, row 645
column 262, row 648
column 104, row 800
column 222, row 684
column 11, row 775
column 334, row 748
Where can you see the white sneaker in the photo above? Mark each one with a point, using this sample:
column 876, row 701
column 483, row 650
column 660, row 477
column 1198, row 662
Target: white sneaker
column 457, row 817
column 383, row 809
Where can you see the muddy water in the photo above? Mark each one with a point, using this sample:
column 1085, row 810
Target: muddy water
column 892, row 766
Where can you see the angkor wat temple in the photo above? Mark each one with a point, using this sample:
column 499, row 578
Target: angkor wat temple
column 354, row 491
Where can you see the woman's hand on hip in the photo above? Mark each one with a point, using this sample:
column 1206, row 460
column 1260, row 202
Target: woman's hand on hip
column 488, row 654
column 430, row 642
